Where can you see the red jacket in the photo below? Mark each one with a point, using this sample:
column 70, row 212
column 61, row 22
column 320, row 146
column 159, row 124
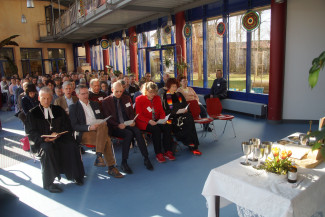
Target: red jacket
column 143, row 107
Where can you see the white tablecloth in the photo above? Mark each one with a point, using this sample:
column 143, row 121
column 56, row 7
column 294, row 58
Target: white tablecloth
column 265, row 193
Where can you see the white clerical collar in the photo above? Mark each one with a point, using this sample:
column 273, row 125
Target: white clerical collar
column 46, row 113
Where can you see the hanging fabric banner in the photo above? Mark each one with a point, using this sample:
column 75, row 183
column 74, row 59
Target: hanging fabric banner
column 251, row 21
column 117, row 42
column 104, row 44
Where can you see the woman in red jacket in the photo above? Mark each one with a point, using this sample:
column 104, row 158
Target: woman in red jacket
column 150, row 110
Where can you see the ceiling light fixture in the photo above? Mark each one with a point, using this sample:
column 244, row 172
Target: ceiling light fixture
column 123, row 34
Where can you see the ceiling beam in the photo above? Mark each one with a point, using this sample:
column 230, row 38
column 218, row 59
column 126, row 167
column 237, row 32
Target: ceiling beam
column 144, row 8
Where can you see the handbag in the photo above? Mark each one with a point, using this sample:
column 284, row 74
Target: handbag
column 25, row 143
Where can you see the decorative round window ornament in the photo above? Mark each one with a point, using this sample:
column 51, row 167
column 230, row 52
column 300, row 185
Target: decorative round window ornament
column 187, row 31
column 221, row 29
column 104, row 44
column 167, row 29
column 251, row 21
column 134, row 39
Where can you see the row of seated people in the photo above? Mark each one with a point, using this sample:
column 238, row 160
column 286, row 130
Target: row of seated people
column 85, row 115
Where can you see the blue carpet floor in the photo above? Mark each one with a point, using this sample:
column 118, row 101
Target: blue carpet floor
column 172, row 189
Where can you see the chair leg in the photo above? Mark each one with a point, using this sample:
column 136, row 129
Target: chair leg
column 225, row 127
column 214, row 129
column 233, row 127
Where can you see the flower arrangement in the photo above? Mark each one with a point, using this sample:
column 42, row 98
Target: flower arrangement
column 280, row 162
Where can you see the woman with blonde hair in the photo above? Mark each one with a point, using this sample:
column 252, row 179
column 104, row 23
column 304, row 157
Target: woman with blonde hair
column 150, row 110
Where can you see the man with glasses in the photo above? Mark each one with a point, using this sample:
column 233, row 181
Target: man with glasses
column 87, row 120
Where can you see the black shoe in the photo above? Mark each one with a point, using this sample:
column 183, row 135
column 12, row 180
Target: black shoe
column 82, row 150
column 79, row 181
column 209, row 129
column 148, row 164
column 125, row 168
column 53, row 188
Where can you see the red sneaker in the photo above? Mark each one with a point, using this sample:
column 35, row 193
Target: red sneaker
column 160, row 158
column 196, row 152
column 169, row 155
column 191, row 145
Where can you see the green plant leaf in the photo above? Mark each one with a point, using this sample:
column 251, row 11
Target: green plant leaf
column 316, row 146
column 313, row 78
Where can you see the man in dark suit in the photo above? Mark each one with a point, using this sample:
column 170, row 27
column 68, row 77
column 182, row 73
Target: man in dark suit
column 219, row 87
column 128, row 89
column 86, row 119
column 119, row 107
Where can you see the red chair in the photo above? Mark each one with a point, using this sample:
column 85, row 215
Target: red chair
column 214, row 109
column 195, row 110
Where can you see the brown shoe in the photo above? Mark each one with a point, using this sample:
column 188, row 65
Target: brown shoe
column 99, row 162
column 114, row 172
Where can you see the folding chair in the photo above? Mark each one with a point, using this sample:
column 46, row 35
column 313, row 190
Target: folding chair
column 195, row 110
column 214, row 109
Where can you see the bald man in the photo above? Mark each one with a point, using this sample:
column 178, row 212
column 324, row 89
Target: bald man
column 119, row 107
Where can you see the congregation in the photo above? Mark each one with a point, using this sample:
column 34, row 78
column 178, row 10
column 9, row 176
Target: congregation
column 63, row 111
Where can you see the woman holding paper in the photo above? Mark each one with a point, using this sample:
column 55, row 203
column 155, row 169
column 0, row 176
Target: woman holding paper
column 152, row 119
column 183, row 125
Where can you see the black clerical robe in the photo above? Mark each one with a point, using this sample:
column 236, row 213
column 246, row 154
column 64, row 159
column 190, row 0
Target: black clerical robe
column 62, row 156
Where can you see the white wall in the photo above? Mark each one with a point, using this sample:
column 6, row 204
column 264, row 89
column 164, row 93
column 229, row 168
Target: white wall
column 305, row 40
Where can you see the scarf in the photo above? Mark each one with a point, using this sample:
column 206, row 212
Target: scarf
column 170, row 101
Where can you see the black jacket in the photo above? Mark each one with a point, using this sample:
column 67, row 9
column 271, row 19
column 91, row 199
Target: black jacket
column 78, row 117
column 219, row 88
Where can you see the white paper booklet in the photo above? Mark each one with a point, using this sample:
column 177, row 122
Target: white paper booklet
column 129, row 122
column 100, row 121
column 162, row 121
column 181, row 111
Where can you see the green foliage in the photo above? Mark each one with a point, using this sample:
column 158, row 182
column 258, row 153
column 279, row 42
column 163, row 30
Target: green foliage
column 117, row 73
column 128, row 69
column 13, row 69
column 8, row 41
column 280, row 162
column 317, row 65
column 320, row 138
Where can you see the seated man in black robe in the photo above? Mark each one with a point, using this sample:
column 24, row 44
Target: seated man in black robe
column 59, row 154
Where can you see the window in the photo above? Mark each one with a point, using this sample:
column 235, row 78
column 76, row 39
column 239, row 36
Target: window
column 81, row 56
column 7, row 62
column 260, row 55
column 237, row 54
column 197, row 53
column 214, row 50
column 152, row 38
column 56, row 61
column 31, row 59
column 167, row 38
column 97, row 57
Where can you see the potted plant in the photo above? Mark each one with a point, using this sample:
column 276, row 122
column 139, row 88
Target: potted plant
column 181, row 67
column 317, row 65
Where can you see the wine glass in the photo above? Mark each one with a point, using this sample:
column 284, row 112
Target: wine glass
column 259, row 153
column 267, row 148
column 247, row 149
column 255, row 142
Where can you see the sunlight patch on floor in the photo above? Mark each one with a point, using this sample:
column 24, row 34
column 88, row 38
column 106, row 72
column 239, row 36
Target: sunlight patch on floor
column 172, row 209
column 19, row 132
